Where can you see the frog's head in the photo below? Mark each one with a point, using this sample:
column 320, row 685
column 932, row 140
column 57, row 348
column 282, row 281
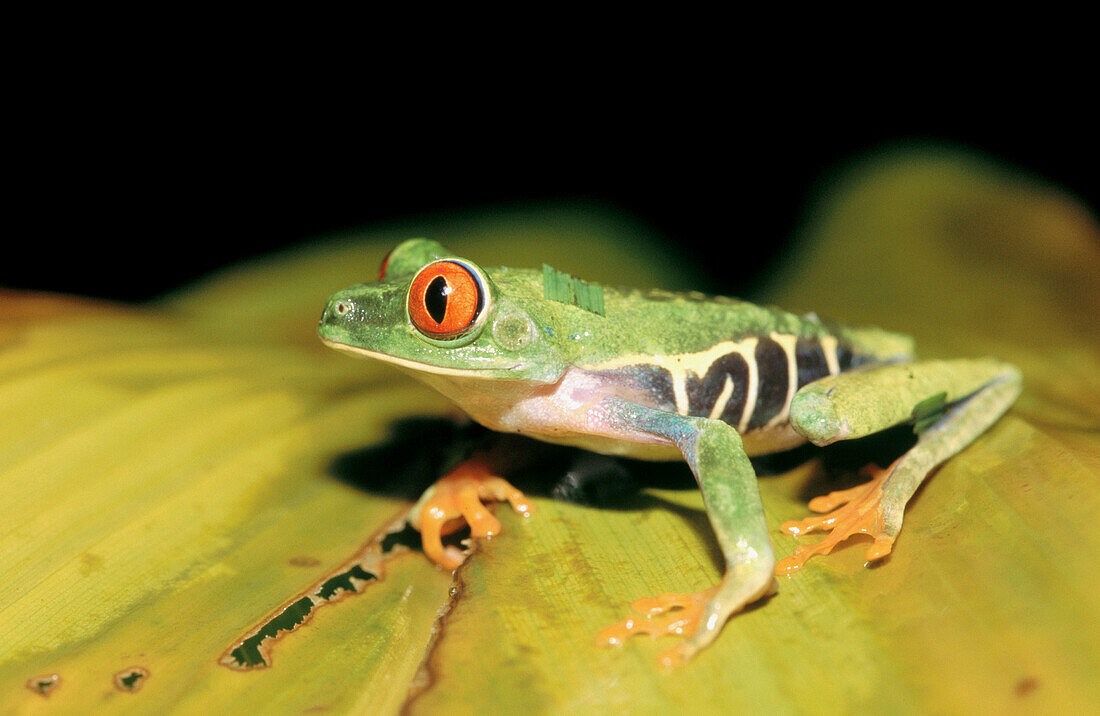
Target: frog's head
column 431, row 312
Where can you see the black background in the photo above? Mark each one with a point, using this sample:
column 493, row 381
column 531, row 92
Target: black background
column 128, row 185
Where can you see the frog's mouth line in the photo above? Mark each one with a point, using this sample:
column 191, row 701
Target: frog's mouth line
column 415, row 365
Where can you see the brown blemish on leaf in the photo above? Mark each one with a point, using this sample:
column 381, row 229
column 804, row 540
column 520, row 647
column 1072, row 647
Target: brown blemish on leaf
column 44, row 685
column 303, row 561
column 89, row 562
column 132, row 679
column 426, row 674
column 1025, row 686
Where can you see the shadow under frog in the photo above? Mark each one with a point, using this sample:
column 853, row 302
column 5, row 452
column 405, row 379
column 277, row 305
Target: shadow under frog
column 418, row 450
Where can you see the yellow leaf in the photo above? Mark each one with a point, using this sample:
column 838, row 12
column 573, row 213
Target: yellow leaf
column 168, row 481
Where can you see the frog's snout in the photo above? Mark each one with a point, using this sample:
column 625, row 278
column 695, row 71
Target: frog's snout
column 335, row 317
column 336, row 310
column 362, row 314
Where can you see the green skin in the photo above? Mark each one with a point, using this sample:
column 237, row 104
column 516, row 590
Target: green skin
column 547, row 369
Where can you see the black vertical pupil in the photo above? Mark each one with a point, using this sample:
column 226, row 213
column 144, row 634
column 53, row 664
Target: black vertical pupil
column 435, row 298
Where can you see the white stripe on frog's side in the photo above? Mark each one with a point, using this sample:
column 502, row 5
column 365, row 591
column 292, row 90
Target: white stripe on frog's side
column 681, row 364
column 723, row 398
column 828, row 347
column 786, row 342
column 749, row 354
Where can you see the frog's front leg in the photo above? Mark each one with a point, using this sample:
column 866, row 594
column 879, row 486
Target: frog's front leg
column 457, row 499
column 726, row 479
column 973, row 394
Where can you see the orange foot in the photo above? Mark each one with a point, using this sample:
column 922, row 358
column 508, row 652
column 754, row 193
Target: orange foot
column 455, row 500
column 861, row 514
column 665, row 614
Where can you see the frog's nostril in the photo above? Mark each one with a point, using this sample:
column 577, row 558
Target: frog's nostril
column 341, row 308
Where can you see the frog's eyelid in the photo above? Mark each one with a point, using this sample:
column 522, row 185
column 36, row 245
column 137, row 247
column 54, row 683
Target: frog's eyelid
column 385, row 265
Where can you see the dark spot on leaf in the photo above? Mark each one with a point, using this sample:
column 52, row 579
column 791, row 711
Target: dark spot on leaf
column 406, row 537
column 89, row 563
column 344, row 581
column 131, row 679
column 44, row 685
column 248, row 653
column 1025, row 686
column 252, row 651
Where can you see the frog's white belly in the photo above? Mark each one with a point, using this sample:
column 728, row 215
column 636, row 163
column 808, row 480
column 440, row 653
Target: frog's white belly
column 566, row 413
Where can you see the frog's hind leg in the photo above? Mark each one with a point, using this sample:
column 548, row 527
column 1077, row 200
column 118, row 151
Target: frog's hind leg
column 726, row 479
column 973, row 394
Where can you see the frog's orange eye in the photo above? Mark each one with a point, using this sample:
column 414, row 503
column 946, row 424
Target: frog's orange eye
column 445, row 299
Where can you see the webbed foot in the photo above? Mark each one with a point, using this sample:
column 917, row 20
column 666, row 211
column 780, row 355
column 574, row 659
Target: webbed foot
column 664, row 614
column 457, row 499
column 857, row 510
column 697, row 616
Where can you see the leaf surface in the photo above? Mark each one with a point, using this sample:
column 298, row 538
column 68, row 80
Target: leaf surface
column 168, row 476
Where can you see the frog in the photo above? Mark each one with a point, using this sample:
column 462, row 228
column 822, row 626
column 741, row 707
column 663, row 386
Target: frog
column 660, row 375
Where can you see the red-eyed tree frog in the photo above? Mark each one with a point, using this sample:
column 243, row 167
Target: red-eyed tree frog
column 658, row 375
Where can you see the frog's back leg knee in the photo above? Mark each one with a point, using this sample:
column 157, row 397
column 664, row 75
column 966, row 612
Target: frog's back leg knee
column 954, row 402
column 852, row 405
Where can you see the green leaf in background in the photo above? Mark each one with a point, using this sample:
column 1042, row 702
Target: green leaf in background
column 167, row 481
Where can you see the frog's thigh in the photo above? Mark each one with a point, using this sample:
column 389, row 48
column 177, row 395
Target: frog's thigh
column 856, row 404
column 726, row 479
column 852, row 405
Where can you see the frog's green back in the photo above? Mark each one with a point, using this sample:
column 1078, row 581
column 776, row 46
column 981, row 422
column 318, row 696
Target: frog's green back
column 657, row 322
